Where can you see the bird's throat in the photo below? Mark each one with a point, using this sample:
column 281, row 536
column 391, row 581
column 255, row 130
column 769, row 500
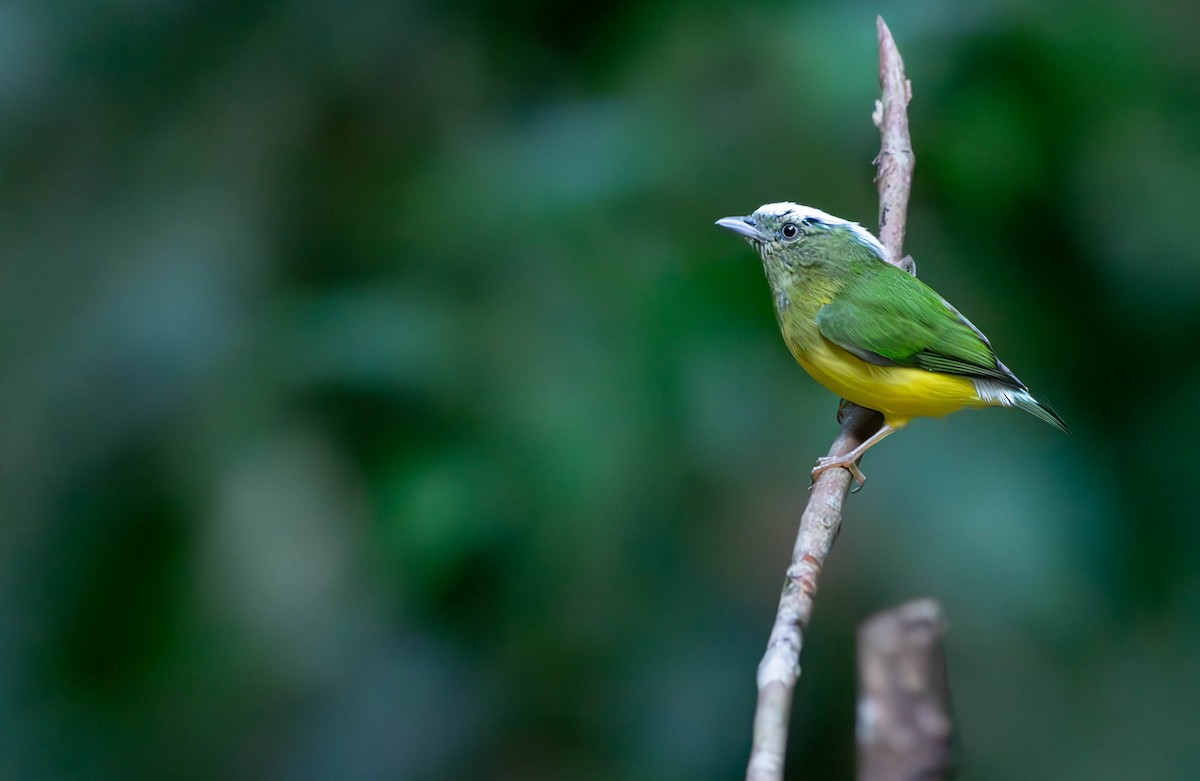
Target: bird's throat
column 798, row 295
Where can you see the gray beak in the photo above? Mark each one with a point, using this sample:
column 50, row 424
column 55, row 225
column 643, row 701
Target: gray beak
column 741, row 225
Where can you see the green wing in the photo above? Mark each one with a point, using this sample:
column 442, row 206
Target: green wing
column 888, row 317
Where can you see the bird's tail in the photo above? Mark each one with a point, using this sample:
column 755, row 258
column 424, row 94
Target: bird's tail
column 1008, row 396
column 1040, row 410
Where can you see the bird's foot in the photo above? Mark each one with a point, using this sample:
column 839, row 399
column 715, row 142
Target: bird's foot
column 848, row 462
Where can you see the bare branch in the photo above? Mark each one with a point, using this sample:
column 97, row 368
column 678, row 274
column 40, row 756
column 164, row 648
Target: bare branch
column 780, row 666
column 903, row 695
column 895, row 163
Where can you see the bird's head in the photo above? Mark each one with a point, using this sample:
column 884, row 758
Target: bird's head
column 790, row 235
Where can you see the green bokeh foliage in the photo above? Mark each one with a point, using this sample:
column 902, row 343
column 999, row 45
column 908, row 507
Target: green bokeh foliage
column 378, row 401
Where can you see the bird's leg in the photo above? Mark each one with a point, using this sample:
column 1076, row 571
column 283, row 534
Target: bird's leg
column 849, row 461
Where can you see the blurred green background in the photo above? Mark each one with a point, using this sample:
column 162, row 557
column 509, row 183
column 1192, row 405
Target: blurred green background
column 379, row 401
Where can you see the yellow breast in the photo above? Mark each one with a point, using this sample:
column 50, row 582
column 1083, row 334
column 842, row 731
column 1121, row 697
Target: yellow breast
column 899, row 392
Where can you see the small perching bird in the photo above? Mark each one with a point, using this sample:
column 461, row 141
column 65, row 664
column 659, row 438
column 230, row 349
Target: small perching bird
column 870, row 332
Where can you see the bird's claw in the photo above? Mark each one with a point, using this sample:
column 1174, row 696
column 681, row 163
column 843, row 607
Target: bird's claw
column 849, row 464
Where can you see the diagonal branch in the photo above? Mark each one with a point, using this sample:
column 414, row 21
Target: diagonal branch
column 895, row 162
column 780, row 666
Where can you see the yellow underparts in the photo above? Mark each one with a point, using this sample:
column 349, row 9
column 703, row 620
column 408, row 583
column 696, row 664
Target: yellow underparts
column 899, row 392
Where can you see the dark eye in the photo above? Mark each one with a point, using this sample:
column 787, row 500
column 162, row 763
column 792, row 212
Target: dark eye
column 789, row 231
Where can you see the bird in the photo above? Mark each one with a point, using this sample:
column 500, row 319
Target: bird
column 871, row 332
